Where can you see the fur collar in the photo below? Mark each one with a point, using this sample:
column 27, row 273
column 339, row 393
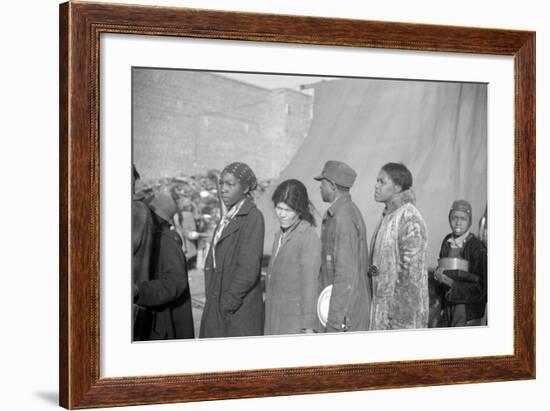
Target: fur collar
column 399, row 200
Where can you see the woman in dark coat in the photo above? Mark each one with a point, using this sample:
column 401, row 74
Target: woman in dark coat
column 293, row 273
column 234, row 305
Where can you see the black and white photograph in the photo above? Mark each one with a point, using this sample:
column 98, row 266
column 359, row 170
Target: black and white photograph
column 285, row 204
column 247, row 205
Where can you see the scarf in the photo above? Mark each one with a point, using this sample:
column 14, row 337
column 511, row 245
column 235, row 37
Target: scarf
column 223, row 223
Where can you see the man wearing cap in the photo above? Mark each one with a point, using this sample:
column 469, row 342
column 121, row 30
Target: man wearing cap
column 465, row 291
column 344, row 252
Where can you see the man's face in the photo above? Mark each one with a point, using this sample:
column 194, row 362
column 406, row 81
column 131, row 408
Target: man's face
column 328, row 191
column 460, row 222
column 231, row 190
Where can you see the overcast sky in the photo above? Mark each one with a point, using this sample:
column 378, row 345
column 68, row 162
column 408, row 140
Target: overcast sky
column 275, row 80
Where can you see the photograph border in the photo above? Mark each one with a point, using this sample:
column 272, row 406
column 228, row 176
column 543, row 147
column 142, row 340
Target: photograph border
column 81, row 24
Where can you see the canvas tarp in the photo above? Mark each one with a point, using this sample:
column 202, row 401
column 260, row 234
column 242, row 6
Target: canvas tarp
column 437, row 129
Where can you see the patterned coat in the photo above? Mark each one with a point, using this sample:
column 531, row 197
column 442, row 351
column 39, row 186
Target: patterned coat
column 400, row 289
column 291, row 283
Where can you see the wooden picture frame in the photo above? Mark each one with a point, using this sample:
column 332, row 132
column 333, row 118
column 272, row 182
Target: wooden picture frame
column 80, row 27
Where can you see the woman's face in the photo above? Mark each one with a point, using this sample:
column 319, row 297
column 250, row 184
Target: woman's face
column 286, row 215
column 231, row 189
column 385, row 189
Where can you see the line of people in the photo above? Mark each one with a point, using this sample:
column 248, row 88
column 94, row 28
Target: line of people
column 384, row 287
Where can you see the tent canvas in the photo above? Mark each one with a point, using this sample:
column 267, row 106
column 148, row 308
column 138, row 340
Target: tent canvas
column 437, row 129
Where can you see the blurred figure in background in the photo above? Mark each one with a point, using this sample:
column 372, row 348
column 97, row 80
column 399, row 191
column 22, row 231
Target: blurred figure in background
column 186, row 226
column 292, row 275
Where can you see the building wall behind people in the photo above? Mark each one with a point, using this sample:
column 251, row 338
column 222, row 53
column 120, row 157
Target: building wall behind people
column 399, row 272
column 292, row 275
column 344, row 254
column 234, row 304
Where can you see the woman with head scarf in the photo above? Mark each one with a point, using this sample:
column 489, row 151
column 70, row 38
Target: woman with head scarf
column 234, row 305
column 292, row 276
column 398, row 257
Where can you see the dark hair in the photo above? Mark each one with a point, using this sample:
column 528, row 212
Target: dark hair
column 294, row 194
column 399, row 174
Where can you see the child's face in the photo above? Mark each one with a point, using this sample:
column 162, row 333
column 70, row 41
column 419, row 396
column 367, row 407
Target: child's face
column 460, row 222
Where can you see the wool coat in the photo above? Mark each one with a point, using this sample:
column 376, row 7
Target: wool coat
column 234, row 303
column 399, row 247
column 344, row 264
column 469, row 287
column 142, row 245
column 166, row 294
column 292, row 281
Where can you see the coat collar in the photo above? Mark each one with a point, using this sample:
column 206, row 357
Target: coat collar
column 344, row 199
column 246, row 207
column 302, row 226
column 233, row 226
column 399, row 200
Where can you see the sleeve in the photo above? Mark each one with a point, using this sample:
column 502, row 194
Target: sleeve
column 310, row 265
column 345, row 259
column 411, row 291
column 249, row 262
column 470, row 287
column 171, row 279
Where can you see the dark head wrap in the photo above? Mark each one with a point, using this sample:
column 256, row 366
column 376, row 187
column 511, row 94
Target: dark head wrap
column 243, row 173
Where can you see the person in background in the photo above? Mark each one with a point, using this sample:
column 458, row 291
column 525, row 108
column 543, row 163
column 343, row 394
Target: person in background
column 208, row 221
column 234, row 304
column 398, row 257
column 185, row 224
column 165, row 294
column 292, row 275
column 344, row 253
column 466, row 292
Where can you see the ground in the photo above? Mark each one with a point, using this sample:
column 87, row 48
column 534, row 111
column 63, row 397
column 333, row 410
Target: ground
column 196, row 284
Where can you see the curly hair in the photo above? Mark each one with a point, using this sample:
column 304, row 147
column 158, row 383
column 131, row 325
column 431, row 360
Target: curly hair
column 294, row 194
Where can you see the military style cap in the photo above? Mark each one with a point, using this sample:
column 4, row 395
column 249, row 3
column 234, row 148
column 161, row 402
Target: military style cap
column 339, row 173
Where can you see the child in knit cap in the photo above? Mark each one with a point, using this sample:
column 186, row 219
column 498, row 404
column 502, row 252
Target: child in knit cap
column 465, row 295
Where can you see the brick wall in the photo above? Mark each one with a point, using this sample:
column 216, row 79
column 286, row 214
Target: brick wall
column 187, row 122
